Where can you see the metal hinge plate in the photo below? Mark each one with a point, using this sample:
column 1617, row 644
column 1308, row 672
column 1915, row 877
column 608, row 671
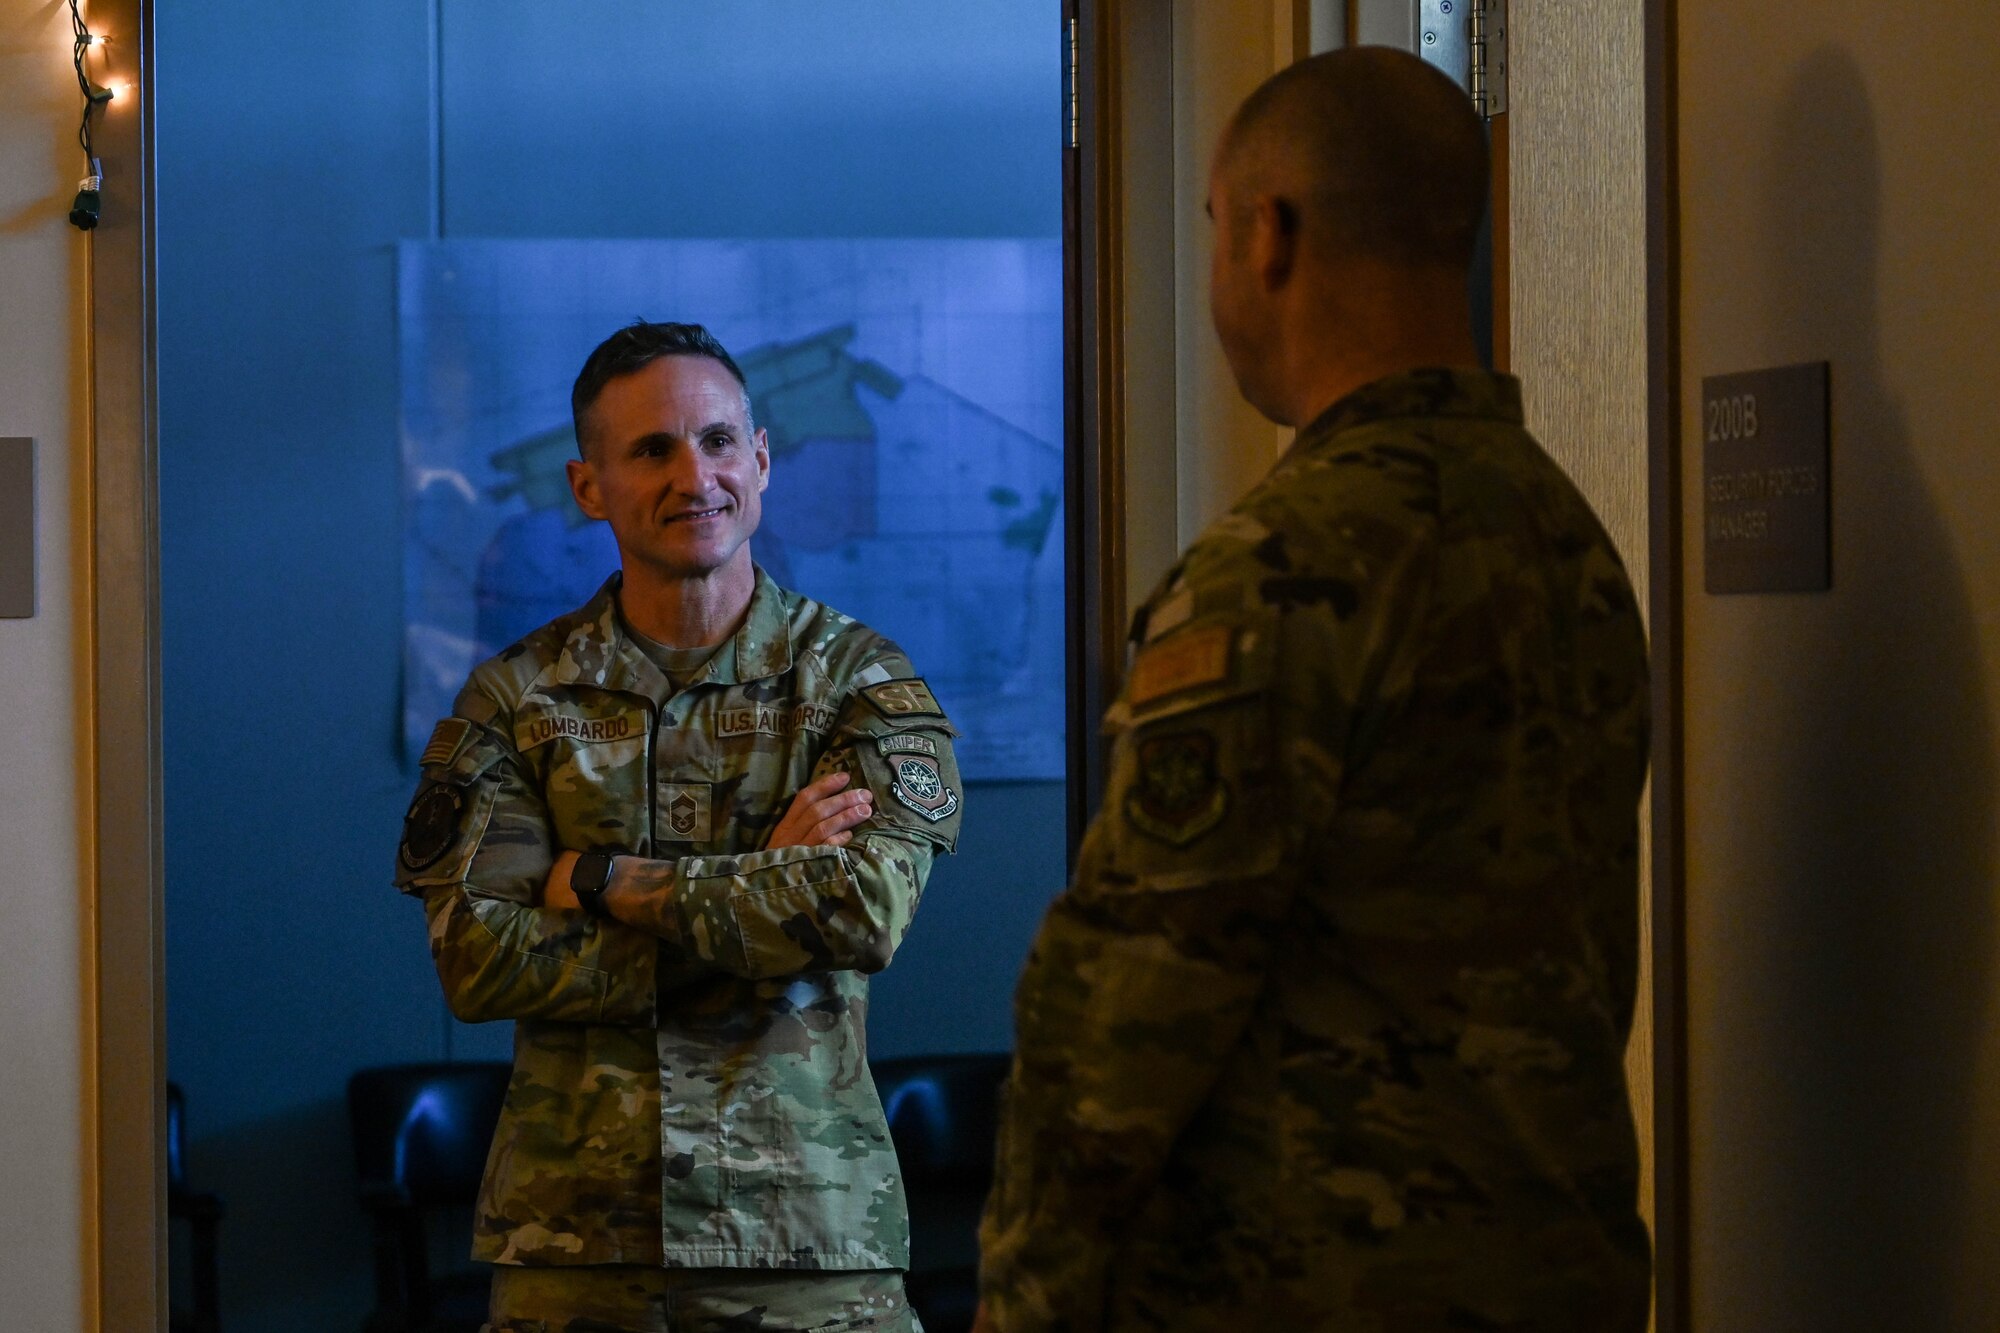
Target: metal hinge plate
column 1467, row 39
column 1069, row 85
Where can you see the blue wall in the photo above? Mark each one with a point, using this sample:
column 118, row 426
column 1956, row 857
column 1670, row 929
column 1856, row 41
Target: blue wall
column 294, row 152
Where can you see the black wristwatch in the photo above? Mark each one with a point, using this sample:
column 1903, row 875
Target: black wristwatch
column 587, row 879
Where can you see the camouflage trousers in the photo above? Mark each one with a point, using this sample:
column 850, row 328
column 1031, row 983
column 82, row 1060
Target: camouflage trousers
column 619, row 1298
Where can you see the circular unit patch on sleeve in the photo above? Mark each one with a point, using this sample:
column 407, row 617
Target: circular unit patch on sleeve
column 431, row 825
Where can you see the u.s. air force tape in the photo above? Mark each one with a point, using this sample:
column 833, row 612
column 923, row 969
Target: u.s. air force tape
column 431, row 825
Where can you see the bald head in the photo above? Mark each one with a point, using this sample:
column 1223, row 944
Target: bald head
column 1382, row 156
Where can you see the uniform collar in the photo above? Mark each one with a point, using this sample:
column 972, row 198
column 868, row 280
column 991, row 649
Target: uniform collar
column 599, row 652
column 1478, row 395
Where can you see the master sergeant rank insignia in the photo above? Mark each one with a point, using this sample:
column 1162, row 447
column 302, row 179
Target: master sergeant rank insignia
column 685, row 812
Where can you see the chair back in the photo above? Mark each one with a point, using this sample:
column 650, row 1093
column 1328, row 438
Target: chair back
column 943, row 1113
column 176, row 1138
column 422, row 1131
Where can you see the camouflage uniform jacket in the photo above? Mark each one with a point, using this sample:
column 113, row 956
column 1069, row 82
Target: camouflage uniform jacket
column 695, row 1094
column 1328, row 1032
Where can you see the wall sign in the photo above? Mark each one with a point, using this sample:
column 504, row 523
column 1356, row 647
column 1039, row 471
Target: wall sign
column 17, row 529
column 1766, row 480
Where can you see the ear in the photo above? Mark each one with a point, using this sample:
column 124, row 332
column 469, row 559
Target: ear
column 763, row 460
column 1274, row 240
column 583, row 487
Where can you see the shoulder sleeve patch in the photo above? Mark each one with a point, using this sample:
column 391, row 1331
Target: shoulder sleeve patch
column 431, row 825
column 1186, row 660
column 898, row 699
column 1177, row 793
column 448, row 740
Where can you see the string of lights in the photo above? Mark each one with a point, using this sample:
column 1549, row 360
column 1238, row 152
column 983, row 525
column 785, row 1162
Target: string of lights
column 84, row 212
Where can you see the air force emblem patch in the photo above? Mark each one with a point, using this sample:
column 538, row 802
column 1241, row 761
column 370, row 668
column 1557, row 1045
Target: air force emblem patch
column 920, row 786
column 1179, row 794
column 431, row 825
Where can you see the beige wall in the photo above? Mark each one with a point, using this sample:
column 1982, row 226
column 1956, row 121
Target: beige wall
column 42, row 1177
column 1840, row 190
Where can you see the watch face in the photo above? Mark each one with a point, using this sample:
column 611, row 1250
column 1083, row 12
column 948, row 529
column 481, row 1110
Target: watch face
column 592, row 871
column 587, row 879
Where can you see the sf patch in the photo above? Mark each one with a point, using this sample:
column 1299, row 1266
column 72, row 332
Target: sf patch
column 920, row 785
column 896, row 699
column 1179, row 793
column 431, row 826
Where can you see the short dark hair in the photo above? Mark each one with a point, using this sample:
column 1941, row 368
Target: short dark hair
column 635, row 346
column 1390, row 153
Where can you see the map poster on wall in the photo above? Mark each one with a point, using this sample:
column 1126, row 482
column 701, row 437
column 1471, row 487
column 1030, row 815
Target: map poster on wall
column 912, row 395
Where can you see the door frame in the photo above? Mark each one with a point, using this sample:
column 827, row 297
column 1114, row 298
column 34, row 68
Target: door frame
column 1121, row 360
column 1672, row 1274
column 124, row 1129
column 1093, row 416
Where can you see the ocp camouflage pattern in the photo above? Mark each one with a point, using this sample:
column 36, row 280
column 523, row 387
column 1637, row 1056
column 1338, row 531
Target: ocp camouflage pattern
column 629, row 1298
column 1328, row 1032
column 696, row 1093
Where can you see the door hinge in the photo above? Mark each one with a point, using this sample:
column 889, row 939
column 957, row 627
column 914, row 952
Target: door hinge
column 1467, row 39
column 1489, row 57
column 1069, row 85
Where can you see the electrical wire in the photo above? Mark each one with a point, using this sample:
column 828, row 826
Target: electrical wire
column 93, row 96
column 84, row 212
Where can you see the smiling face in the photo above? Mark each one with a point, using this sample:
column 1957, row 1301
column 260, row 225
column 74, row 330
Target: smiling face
column 672, row 464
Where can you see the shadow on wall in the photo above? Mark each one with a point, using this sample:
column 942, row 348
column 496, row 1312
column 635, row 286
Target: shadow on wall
column 1864, row 889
